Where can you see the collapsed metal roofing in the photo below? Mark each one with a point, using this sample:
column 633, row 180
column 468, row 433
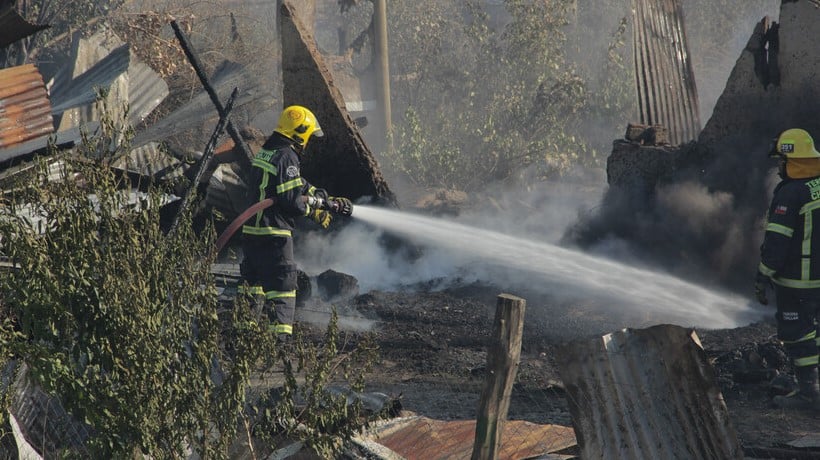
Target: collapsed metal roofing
column 422, row 438
column 646, row 394
column 199, row 109
column 42, row 422
column 28, row 109
column 104, row 61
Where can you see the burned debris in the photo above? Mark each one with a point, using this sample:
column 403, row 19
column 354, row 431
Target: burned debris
column 654, row 153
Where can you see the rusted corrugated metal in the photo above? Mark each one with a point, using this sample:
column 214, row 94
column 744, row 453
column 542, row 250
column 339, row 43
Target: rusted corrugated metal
column 25, row 110
column 646, row 394
column 421, row 438
column 667, row 94
column 12, row 26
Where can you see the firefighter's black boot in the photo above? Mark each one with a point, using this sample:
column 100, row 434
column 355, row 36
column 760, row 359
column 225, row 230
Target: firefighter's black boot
column 807, row 395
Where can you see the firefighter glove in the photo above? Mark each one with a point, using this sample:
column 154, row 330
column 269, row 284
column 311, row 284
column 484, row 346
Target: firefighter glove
column 321, row 217
column 340, row 205
column 762, row 284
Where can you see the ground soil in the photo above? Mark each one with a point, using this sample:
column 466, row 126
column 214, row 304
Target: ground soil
column 433, row 356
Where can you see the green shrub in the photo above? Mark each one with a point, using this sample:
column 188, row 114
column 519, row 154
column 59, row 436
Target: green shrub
column 122, row 322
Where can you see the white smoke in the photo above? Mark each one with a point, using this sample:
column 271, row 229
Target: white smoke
column 515, row 247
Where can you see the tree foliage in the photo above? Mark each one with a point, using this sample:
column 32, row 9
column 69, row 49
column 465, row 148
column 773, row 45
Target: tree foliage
column 484, row 95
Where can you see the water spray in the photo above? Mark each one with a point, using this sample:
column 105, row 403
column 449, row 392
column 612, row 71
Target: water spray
column 588, row 275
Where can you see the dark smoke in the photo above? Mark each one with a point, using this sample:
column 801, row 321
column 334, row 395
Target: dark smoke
column 704, row 222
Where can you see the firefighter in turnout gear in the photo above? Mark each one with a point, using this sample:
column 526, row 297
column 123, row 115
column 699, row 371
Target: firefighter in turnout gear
column 268, row 267
column 790, row 262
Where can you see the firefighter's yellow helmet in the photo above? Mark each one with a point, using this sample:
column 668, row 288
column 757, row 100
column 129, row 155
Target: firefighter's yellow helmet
column 297, row 124
column 796, row 143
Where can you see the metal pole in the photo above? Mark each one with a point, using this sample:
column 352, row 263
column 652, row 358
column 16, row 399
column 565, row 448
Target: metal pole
column 382, row 68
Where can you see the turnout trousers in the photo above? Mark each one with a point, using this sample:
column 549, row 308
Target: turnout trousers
column 269, row 270
column 797, row 326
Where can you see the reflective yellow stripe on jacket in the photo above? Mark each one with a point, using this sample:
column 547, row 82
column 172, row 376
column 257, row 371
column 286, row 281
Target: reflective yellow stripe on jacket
column 265, row 231
column 805, row 281
column 269, row 170
column 289, row 185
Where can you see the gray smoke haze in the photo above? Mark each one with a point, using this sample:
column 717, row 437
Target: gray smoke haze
column 571, row 296
column 542, row 212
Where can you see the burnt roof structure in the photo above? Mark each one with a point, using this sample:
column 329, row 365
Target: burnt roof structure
column 340, row 161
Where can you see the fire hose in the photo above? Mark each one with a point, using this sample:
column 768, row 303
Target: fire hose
column 226, row 235
column 241, row 219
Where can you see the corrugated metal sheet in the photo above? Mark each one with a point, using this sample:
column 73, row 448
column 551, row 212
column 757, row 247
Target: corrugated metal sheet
column 149, row 160
column 25, row 110
column 646, row 394
column 42, row 420
column 146, row 90
column 69, row 93
column 421, row 438
column 667, row 94
column 104, row 60
column 12, row 26
column 226, row 191
column 33, row 216
column 61, row 139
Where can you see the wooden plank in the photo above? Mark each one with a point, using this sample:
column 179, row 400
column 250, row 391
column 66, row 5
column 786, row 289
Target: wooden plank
column 502, row 363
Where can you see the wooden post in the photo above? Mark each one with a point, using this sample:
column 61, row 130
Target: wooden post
column 224, row 118
column 502, row 364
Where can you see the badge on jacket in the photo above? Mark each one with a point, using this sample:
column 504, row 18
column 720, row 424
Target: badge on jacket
column 292, row 171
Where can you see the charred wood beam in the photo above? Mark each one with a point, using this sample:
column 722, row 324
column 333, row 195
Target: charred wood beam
column 245, row 161
column 765, row 47
column 206, row 158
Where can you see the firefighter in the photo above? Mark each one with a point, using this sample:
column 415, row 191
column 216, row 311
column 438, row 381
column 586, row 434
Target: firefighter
column 268, row 268
column 790, row 262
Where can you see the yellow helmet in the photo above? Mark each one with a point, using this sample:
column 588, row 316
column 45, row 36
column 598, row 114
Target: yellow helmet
column 298, row 124
column 796, row 143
